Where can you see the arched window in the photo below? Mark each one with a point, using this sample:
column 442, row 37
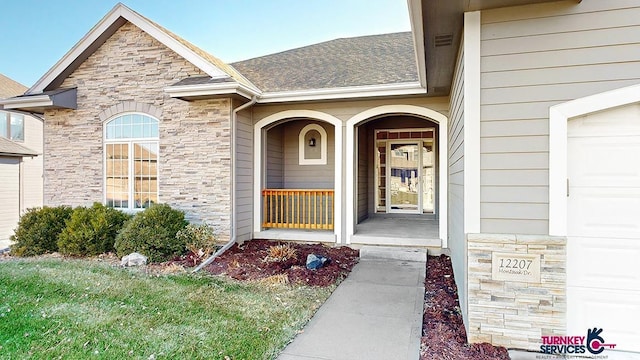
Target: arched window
column 312, row 145
column 131, row 161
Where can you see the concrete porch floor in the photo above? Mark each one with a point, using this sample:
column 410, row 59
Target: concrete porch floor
column 378, row 229
column 398, row 230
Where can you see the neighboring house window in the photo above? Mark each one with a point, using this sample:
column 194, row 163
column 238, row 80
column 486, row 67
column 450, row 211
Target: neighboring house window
column 312, row 147
column 12, row 126
column 131, row 161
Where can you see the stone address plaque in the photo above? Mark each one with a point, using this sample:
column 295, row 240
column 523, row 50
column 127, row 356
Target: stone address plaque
column 515, row 267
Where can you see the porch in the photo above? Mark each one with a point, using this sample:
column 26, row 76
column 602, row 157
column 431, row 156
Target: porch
column 398, row 230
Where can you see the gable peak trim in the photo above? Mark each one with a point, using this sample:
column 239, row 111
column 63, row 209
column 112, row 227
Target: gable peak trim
column 113, row 20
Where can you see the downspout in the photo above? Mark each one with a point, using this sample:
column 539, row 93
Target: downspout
column 232, row 240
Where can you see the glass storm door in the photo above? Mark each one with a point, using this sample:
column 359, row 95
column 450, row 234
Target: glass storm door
column 403, row 177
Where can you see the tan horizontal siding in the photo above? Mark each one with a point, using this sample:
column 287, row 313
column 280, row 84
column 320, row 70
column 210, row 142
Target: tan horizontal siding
column 540, row 23
column 561, row 75
column 514, row 226
column 562, row 58
column 553, row 9
column 532, row 211
column 244, row 176
column 502, row 161
column 534, row 57
column 516, row 194
column 514, row 128
column 529, row 177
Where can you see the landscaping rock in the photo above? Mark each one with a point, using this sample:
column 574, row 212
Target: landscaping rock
column 134, row 259
column 315, row 262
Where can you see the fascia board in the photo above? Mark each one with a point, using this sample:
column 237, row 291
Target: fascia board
column 413, row 88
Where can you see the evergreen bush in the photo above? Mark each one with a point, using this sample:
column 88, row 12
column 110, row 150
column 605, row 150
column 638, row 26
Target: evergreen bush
column 38, row 230
column 152, row 233
column 91, row 231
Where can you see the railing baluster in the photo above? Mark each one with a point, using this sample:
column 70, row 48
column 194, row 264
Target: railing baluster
column 298, row 208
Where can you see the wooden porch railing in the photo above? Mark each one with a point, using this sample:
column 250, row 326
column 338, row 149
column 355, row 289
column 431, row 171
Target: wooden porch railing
column 298, row 208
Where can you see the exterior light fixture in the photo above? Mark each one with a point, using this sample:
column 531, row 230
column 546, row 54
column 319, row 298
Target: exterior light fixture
column 312, row 142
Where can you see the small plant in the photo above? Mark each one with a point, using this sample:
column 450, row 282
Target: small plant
column 152, row 232
column 200, row 239
column 280, row 253
column 38, row 230
column 91, row 231
column 279, row 279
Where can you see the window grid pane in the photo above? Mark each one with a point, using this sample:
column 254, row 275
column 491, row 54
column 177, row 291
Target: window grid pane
column 4, row 124
column 17, row 127
column 117, row 175
column 146, row 174
column 133, row 126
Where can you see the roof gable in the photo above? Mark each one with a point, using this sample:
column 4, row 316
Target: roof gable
column 10, row 87
column 107, row 26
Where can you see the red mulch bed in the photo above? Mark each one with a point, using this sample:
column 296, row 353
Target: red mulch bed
column 247, row 262
column 443, row 332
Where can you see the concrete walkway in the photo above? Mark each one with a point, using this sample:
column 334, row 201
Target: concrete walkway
column 376, row 313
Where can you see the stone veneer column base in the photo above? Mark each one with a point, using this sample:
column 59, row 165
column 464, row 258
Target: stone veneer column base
column 516, row 314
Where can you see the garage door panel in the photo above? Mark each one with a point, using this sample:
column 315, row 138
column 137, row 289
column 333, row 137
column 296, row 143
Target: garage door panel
column 605, row 309
column 604, row 161
column 603, row 263
column 626, row 120
column 603, row 228
column 604, row 212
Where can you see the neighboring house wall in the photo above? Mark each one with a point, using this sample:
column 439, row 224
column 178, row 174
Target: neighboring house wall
column 129, row 72
column 534, row 57
column 244, row 175
column 32, row 167
column 455, row 168
column 9, row 197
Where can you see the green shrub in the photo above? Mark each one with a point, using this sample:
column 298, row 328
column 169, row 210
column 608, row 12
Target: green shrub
column 91, row 231
column 38, row 230
column 152, row 232
column 200, row 239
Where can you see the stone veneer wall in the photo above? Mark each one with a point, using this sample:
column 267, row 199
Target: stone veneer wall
column 516, row 314
column 129, row 72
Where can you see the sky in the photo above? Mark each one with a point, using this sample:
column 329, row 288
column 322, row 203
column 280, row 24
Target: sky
column 35, row 34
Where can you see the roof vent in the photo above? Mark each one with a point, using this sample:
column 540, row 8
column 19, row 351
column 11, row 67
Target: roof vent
column 443, row 40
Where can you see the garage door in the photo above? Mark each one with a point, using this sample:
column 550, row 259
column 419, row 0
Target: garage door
column 603, row 245
column 9, row 196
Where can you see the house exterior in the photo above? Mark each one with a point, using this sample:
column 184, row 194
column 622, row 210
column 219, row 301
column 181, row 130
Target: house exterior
column 507, row 130
column 21, row 162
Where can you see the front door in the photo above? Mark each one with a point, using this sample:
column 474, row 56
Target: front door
column 403, row 178
column 405, row 168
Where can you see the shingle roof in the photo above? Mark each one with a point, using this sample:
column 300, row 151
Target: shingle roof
column 229, row 70
column 10, row 148
column 9, row 87
column 365, row 60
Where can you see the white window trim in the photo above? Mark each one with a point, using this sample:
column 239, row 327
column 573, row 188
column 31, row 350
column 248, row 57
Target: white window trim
column 129, row 141
column 302, row 144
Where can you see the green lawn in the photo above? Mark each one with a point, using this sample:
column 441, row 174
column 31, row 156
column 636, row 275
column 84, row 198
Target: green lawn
column 78, row 309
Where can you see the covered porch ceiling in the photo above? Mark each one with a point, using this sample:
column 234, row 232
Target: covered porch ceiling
column 437, row 30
